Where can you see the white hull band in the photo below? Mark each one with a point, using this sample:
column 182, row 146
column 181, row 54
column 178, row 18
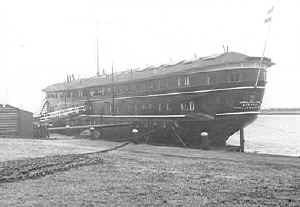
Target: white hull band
column 169, row 116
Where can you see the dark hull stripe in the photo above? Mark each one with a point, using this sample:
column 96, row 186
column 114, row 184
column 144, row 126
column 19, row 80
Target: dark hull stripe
column 180, row 93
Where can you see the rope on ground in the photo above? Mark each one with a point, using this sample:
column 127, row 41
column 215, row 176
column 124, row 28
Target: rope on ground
column 15, row 170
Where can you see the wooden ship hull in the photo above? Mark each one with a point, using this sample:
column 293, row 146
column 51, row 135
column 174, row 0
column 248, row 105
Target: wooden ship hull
column 218, row 95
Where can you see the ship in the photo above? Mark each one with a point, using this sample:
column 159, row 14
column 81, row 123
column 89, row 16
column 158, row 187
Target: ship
column 215, row 95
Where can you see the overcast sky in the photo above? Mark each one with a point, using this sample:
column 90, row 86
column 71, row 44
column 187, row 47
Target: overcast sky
column 43, row 41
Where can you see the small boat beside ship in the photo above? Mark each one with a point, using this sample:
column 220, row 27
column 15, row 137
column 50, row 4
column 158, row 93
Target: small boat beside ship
column 218, row 95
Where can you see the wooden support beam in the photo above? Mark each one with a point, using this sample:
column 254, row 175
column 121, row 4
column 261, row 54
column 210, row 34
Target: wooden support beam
column 242, row 140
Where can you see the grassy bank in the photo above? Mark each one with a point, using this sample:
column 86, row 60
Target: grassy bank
column 142, row 175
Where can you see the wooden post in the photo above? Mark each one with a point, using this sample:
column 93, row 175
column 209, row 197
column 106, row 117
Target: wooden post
column 242, row 140
column 204, row 140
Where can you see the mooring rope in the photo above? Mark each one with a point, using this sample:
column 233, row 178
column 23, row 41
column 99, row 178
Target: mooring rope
column 15, row 170
column 178, row 137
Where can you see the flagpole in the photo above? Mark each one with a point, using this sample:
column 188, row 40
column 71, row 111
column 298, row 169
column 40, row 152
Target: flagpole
column 267, row 21
column 263, row 53
column 266, row 41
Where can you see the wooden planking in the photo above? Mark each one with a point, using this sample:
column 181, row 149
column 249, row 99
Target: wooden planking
column 8, row 121
column 15, row 122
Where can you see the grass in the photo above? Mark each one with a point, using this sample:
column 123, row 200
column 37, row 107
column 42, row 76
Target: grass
column 143, row 175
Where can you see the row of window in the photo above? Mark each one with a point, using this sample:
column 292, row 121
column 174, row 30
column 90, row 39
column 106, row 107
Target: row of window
column 149, row 107
column 136, row 108
column 183, row 81
column 163, row 84
column 187, row 107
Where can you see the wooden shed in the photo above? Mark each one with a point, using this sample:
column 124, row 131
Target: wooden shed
column 15, row 122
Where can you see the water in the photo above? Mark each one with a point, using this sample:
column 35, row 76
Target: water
column 272, row 134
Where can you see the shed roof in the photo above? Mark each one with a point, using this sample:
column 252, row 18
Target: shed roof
column 7, row 106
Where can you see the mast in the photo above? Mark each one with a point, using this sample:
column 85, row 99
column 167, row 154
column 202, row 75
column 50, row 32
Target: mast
column 98, row 69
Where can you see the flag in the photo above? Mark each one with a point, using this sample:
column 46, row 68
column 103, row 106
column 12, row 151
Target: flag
column 268, row 19
column 270, row 10
column 269, row 15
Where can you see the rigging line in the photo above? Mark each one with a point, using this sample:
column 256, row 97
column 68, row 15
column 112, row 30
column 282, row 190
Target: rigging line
column 263, row 54
column 268, row 21
column 177, row 136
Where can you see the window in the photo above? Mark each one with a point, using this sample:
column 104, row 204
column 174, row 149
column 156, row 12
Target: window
column 187, row 107
column 101, row 91
column 110, row 108
column 91, row 92
column 187, row 81
column 159, row 107
column 179, row 82
column 85, row 92
column 207, row 80
column 97, row 92
column 182, row 107
column 183, row 81
column 234, row 76
column 191, row 106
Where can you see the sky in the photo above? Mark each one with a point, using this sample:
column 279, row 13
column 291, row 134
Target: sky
column 43, row 41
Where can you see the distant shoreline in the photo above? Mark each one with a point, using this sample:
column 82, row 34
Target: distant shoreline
column 287, row 111
column 281, row 109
